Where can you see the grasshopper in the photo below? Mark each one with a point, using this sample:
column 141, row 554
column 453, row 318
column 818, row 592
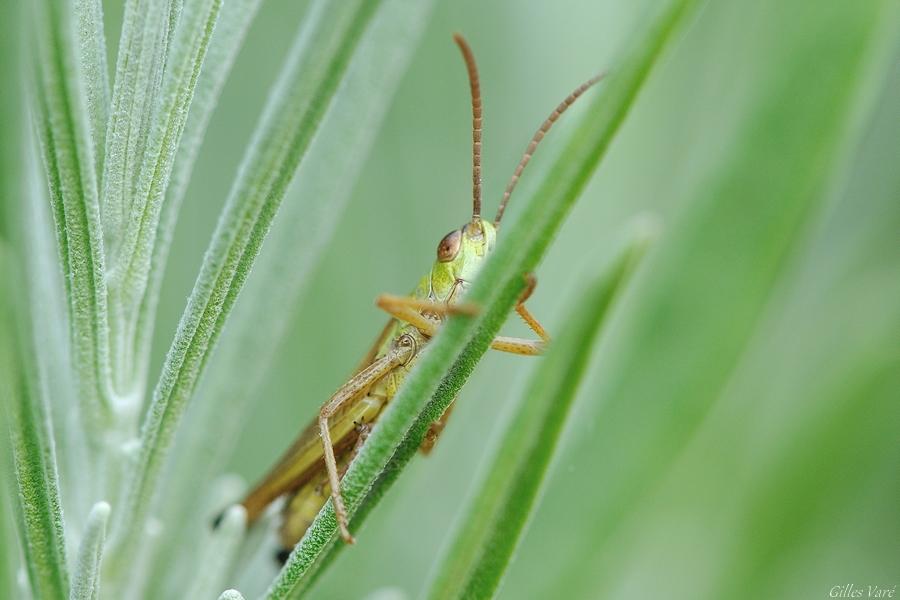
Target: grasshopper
column 311, row 469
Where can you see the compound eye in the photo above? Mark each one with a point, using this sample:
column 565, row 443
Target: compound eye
column 449, row 246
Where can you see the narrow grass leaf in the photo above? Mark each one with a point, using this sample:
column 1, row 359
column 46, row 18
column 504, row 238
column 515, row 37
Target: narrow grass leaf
column 235, row 18
column 495, row 519
column 9, row 566
column 8, row 560
column 307, row 85
column 37, row 252
column 86, row 579
column 147, row 28
column 130, row 273
column 12, row 140
column 11, row 116
column 63, row 127
column 430, row 387
column 40, row 519
column 92, row 53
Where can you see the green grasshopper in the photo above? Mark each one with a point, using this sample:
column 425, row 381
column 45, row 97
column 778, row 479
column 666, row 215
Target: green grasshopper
column 311, row 468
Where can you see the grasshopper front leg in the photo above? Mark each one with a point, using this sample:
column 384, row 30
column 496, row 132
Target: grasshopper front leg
column 410, row 310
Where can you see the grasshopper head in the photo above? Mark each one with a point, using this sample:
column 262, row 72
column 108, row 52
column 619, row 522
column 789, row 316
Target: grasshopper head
column 462, row 252
column 460, row 255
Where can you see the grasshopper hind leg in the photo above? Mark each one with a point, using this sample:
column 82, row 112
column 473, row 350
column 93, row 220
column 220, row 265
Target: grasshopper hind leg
column 304, row 505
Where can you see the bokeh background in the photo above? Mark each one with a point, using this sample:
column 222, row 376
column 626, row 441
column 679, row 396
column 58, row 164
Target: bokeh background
column 839, row 291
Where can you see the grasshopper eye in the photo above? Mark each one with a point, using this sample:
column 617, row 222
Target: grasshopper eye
column 449, row 246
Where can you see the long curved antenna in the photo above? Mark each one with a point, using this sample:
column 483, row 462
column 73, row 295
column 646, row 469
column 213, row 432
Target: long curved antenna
column 476, row 124
column 538, row 136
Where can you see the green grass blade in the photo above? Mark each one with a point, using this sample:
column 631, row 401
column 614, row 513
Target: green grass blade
column 63, row 127
column 9, row 561
column 92, row 52
column 430, row 388
column 86, row 579
column 13, row 122
column 40, row 522
column 235, row 18
column 147, row 28
column 740, row 233
column 11, row 118
column 307, row 85
column 37, row 249
column 130, row 273
column 260, row 320
column 495, row 519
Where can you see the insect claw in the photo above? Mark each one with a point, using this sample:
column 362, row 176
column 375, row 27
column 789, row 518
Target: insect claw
column 345, row 535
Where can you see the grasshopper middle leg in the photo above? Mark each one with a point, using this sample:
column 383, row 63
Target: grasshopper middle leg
column 351, row 391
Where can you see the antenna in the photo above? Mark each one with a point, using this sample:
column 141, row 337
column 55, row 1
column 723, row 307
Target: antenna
column 476, row 124
column 538, row 136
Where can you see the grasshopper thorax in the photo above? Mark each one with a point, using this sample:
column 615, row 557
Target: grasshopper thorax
column 460, row 255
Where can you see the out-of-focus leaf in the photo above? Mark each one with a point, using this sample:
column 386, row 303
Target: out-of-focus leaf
column 494, row 521
column 679, row 347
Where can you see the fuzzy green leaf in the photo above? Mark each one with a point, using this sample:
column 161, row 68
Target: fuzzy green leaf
column 495, row 519
column 309, row 80
column 12, row 141
column 147, row 28
column 129, row 274
column 40, row 523
column 235, row 18
column 86, row 579
column 430, row 388
column 91, row 42
column 9, row 560
column 64, row 130
column 11, row 117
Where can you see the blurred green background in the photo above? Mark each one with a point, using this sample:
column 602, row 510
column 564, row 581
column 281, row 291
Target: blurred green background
column 828, row 312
